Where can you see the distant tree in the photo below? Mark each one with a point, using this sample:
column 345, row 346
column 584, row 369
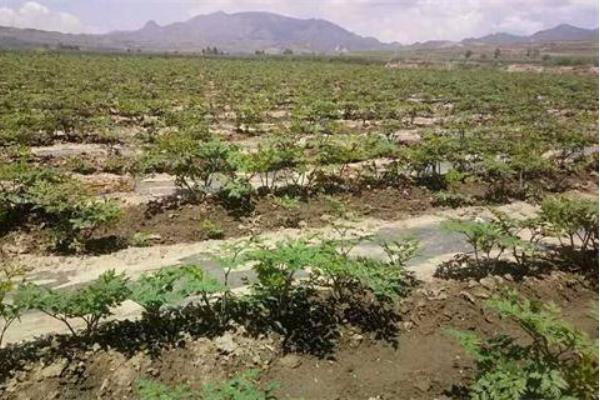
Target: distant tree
column 468, row 54
column 288, row 52
column 497, row 52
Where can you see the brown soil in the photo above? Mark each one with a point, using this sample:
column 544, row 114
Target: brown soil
column 418, row 361
column 169, row 224
column 185, row 223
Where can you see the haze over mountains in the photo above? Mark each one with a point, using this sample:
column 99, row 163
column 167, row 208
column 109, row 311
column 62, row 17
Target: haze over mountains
column 247, row 32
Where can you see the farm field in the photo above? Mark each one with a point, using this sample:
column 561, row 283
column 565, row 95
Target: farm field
column 189, row 227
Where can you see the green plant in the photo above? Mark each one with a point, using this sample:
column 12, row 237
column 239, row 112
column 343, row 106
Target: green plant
column 243, row 386
column 576, row 219
column 451, row 199
column 141, row 239
column 231, row 258
column 193, row 162
column 332, row 266
column 9, row 311
column 74, row 215
column 555, row 362
column 154, row 291
column 237, row 193
column 276, row 268
column 170, row 286
column 484, row 237
column 212, row 230
column 90, row 304
column 287, row 202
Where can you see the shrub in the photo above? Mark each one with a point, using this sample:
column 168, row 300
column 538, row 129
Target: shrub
column 276, row 268
column 237, row 193
column 194, row 163
column 556, row 362
column 73, row 215
column 172, row 285
column 212, row 230
column 484, row 237
column 90, row 304
column 575, row 219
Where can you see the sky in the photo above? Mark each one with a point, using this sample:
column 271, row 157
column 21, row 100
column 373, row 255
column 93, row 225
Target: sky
column 404, row 21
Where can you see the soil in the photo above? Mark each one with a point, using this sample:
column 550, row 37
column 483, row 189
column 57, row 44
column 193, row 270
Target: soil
column 408, row 357
column 165, row 223
column 185, row 223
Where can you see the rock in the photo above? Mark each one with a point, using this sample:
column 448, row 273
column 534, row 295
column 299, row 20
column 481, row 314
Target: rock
column 96, row 347
column 290, row 361
column 481, row 293
column 437, row 294
column 488, row 283
column 423, row 384
column 53, row 370
column 326, row 218
column 225, row 343
column 472, row 283
column 406, row 136
column 302, row 224
column 468, row 296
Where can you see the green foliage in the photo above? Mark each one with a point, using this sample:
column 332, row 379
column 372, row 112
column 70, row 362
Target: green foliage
column 276, row 269
column 346, row 275
column 244, row 386
column 575, row 219
column 171, row 286
column 193, row 162
column 484, row 237
column 90, row 304
column 212, row 229
column 556, row 362
column 74, row 215
column 9, row 311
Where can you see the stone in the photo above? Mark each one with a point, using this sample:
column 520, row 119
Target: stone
column 290, row 361
column 488, row 283
column 423, row 384
column 53, row 370
column 468, row 296
column 225, row 343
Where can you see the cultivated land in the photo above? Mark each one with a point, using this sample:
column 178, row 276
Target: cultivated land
column 322, row 224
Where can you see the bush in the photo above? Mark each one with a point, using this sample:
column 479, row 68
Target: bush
column 90, row 304
column 194, row 163
column 171, row 286
column 556, row 362
column 73, row 215
column 484, row 237
column 276, row 269
column 575, row 219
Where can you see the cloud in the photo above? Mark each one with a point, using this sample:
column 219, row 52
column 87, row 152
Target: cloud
column 35, row 15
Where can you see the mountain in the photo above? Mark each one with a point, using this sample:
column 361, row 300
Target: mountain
column 565, row 32
column 496, row 39
column 243, row 32
column 560, row 33
column 247, row 32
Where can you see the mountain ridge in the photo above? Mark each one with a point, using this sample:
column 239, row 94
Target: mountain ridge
column 250, row 31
